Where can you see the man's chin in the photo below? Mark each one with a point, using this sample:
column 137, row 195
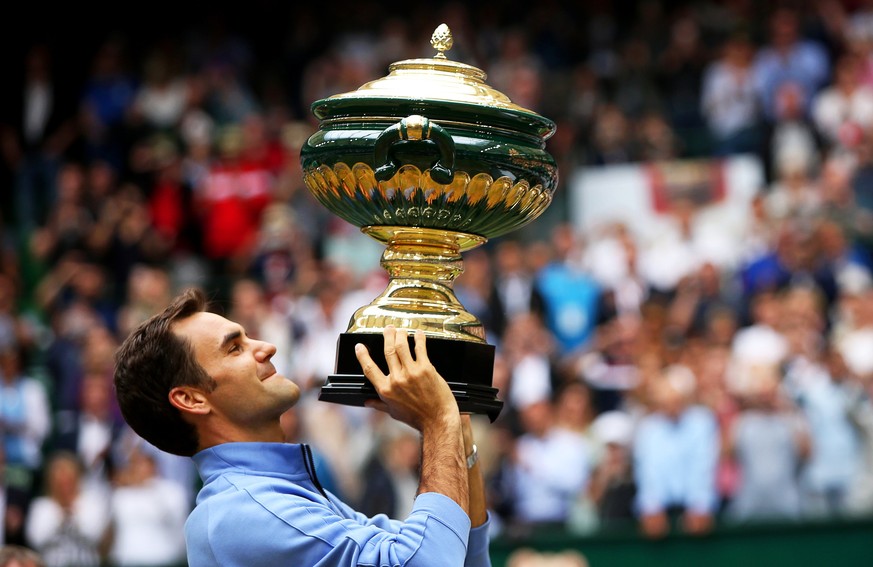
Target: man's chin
column 290, row 390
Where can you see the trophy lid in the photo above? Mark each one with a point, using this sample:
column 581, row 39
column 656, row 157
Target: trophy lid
column 438, row 88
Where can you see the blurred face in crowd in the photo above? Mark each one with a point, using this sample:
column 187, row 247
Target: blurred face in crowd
column 671, row 391
column 537, row 418
column 574, row 405
column 141, row 467
column 63, row 480
column 739, row 52
column 96, row 396
column 767, row 308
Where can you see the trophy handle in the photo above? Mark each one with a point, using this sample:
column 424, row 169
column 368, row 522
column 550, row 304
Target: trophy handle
column 415, row 128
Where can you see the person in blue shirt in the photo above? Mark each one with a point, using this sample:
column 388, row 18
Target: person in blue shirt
column 193, row 383
column 675, row 454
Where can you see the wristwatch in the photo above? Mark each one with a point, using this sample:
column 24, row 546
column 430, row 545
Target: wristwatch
column 473, row 457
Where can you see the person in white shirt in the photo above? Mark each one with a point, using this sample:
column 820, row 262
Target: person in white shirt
column 551, row 467
column 66, row 524
column 148, row 515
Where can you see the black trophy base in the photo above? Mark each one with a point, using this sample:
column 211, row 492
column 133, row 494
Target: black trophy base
column 453, row 359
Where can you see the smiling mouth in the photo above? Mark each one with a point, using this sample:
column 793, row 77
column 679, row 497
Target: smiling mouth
column 269, row 374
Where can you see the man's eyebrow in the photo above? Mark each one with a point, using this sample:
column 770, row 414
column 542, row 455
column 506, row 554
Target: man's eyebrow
column 229, row 338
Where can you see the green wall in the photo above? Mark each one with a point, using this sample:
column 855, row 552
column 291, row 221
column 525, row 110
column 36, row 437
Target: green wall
column 842, row 544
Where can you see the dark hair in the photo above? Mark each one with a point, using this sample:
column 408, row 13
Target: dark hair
column 152, row 361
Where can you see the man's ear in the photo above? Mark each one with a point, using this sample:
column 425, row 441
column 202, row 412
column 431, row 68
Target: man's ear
column 189, row 400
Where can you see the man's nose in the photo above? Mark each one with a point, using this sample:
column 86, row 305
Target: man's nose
column 265, row 351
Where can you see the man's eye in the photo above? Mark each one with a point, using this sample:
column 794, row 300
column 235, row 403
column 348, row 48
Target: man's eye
column 235, row 348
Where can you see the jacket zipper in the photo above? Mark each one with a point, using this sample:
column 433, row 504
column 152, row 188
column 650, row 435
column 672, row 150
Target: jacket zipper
column 310, row 468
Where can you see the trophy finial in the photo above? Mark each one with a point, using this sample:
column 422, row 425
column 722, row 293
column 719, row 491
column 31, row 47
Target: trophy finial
column 441, row 40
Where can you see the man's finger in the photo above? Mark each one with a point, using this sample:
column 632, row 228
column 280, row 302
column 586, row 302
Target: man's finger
column 370, row 368
column 401, row 344
column 421, row 348
column 391, row 337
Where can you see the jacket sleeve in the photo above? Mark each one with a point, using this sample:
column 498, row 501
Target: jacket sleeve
column 477, row 546
column 288, row 531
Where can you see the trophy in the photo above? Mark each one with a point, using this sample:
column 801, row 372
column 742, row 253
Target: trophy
column 430, row 161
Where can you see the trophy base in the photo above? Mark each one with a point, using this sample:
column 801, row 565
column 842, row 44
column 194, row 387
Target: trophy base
column 473, row 361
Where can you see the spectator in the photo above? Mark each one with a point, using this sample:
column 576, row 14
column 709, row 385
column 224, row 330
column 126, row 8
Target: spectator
column 843, row 111
column 729, row 101
column 791, row 141
column 681, row 65
column 529, row 348
column 391, row 474
column 761, row 342
column 105, row 102
column 834, row 459
column 675, row 453
column 793, row 195
column 230, row 201
column 25, row 421
column 147, row 516
column 788, row 58
column 67, row 524
column 570, row 295
column 612, row 489
column 162, row 97
column 551, row 468
column 91, row 432
column 770, row 442
column 38, row 132
column 514, row 292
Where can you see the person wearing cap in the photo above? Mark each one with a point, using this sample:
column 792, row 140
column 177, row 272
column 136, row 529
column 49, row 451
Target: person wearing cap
column 193, row 383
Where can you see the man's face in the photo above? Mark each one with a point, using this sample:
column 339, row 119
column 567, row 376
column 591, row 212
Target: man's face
column 248, row 392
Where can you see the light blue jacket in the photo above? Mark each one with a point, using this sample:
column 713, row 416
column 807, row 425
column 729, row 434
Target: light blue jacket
column 261, row 504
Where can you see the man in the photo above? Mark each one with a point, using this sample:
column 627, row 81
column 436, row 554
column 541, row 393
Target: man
column 193, row 383
column 675, row 454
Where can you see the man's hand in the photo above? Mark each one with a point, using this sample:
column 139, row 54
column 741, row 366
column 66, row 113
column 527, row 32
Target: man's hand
column 413, row 392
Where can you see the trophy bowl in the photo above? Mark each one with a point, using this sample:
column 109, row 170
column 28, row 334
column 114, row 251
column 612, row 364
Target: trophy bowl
column 431, row 162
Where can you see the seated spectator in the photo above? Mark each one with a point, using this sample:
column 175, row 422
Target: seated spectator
column 675, row 454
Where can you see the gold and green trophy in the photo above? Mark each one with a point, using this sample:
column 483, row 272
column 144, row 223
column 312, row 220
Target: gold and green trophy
column 430, row 161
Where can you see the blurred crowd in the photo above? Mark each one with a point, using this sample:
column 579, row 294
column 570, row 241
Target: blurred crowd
column 647, row 383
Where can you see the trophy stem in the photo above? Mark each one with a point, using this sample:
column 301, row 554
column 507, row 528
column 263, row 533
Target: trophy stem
column 422, row 264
